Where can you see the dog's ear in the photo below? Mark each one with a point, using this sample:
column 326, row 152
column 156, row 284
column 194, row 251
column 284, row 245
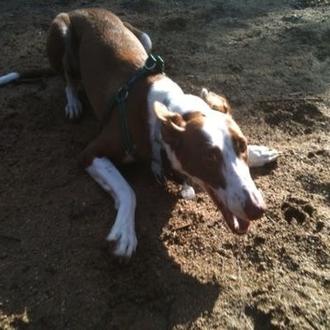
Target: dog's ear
column 169, row 119
column 215, row 101
column 172, row 125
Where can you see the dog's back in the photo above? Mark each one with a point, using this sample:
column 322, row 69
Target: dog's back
column 99, row 50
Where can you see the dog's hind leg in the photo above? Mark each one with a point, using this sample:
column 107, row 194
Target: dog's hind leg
column 62, row 54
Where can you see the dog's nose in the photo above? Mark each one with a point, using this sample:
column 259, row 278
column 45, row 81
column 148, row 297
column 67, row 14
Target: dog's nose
column 255, row 205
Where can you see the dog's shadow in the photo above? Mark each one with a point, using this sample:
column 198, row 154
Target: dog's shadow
column 153, row 291
column 267, row 169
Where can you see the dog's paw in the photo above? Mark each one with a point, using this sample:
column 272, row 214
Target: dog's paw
column 260, row 155
column 157, row 171
column 188, row 192
column 124, row 239
column 73, row 110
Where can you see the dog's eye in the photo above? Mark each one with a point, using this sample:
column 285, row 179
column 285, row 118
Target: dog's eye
column 240, row 145
column 213, row 155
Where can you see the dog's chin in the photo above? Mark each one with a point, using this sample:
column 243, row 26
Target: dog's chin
column 237, row 225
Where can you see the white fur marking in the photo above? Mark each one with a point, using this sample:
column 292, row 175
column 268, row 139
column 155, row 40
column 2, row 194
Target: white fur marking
column 235, row 170
column 7, row 78
column 61, row 19
column 162, row 90
column 64, row 29
column 186, row 102
column 122, row 232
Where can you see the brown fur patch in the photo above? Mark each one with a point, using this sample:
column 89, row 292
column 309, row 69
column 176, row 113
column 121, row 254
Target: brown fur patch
column 216, row 102
column 195, row 152
column 239, row 140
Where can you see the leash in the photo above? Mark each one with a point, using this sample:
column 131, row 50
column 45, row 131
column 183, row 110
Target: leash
column 153, row 65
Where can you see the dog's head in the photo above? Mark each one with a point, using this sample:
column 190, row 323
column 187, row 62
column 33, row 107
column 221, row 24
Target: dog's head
column 209, row 147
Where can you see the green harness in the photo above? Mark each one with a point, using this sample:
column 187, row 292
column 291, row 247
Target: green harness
column 153, row 65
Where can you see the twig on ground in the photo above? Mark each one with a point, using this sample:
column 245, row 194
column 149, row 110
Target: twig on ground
column 184, row 226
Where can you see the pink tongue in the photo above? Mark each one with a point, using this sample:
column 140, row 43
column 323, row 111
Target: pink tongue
column 237, row 225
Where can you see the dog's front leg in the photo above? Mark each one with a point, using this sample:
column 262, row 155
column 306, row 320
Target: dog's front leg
column 123, row 231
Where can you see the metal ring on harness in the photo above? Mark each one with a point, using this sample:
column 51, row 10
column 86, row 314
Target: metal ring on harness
column 153, row 64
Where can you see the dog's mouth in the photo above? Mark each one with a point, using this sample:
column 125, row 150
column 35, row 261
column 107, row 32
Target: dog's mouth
column 237, row 225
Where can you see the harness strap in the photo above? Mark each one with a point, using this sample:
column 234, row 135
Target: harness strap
column 153, row 65
column 126, row 136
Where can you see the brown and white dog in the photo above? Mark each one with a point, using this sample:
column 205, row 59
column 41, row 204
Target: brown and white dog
column 95, row 49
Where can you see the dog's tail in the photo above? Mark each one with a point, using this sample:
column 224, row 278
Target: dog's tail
column 26, row 75
column 142, row 36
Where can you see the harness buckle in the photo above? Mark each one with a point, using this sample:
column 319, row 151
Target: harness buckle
column 150, row 63
column 154, row 63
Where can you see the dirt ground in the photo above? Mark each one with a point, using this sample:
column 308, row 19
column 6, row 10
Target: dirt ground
column 272, row 60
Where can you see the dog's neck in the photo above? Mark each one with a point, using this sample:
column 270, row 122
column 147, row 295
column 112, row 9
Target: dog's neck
column 170, row 93
column 166, row 91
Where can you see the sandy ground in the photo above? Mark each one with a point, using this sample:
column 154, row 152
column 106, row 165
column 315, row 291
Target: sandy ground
column 272, row 60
